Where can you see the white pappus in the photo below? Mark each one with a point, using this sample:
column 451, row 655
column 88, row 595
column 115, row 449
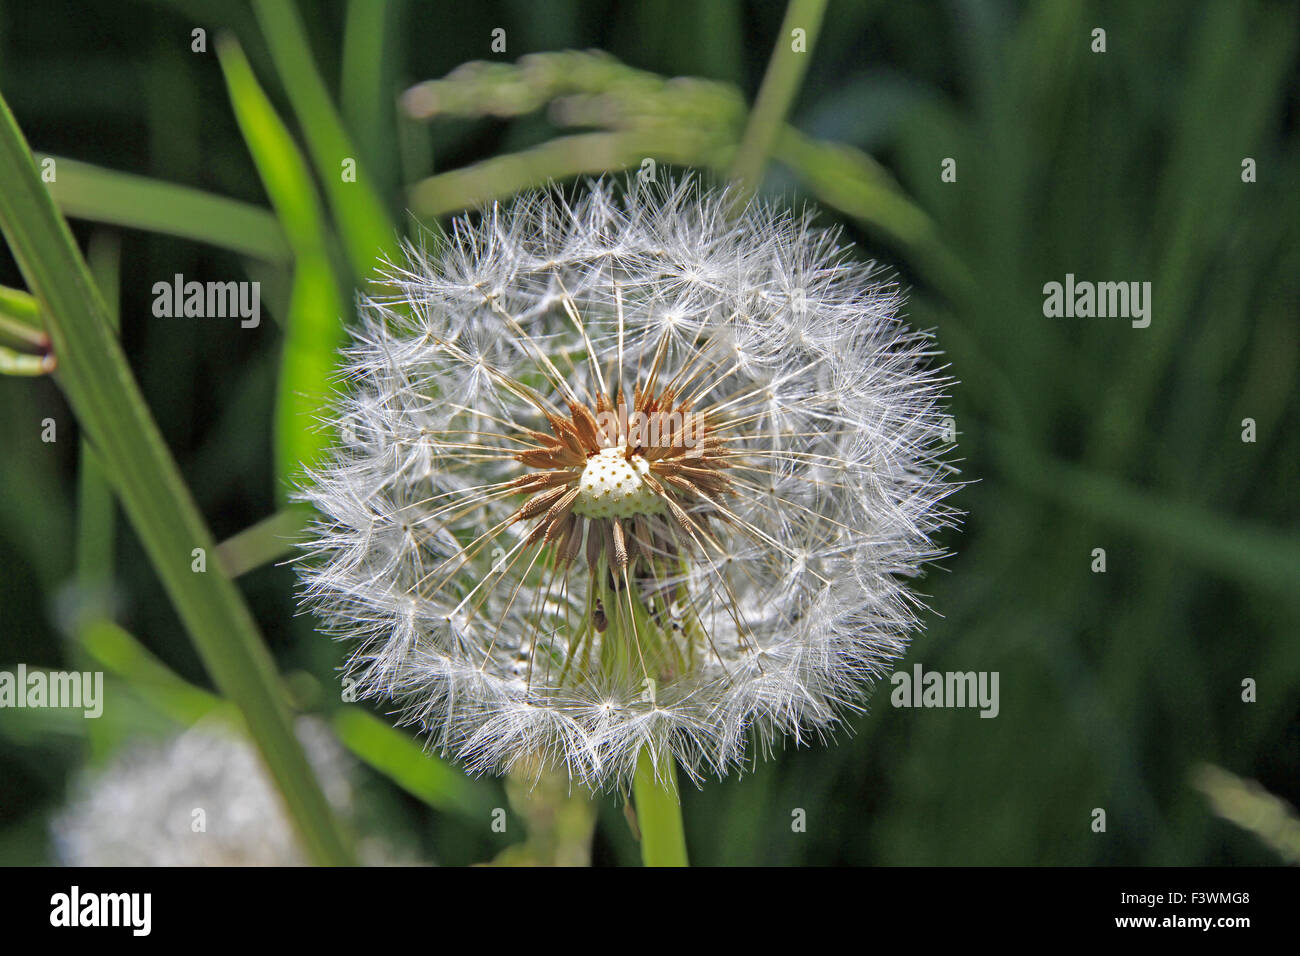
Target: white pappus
column 200, row 798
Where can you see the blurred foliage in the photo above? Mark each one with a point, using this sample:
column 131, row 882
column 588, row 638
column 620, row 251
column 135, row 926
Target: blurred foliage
column 1077, row 433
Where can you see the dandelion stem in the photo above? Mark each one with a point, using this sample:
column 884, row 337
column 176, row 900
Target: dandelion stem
column 659, row 813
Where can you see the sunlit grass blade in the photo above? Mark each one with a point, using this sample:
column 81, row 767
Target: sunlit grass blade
column 24, row 364
column 20, row 319
column 314, row 327
column 313, row 334
column 366, row 230
column 1244, row 802
column 94, row 375
column 21, row 333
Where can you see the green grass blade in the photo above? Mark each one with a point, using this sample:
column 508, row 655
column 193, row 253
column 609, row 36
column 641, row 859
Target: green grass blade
column 94, row 375
column 1255, row 557
column 1244, row 802
column 20, row 318
column 96, row 510
column 405, row 762
column 313, row 328
column 118, row 652
column 366, row 92
column 313, row 334
column 780, row 85
column 851, row 181
column 24, row 364
column 84, row 191
column 659, row 813
column 269, row 539
column 367, row 231
column 21, row 326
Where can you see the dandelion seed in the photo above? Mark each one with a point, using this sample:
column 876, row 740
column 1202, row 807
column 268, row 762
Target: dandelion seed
column 626, row 474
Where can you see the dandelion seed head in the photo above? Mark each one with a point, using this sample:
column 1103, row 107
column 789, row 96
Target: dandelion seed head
column 627, row 471
column 201, row 798
column 613, row 485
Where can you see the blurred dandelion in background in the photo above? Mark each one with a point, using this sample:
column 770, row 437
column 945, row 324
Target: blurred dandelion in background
column 629, row 477
column 201, row 798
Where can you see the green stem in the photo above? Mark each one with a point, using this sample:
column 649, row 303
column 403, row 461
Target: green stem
column 658, row 805
column 780, row 84
column 659, row 813
column 261, row 543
